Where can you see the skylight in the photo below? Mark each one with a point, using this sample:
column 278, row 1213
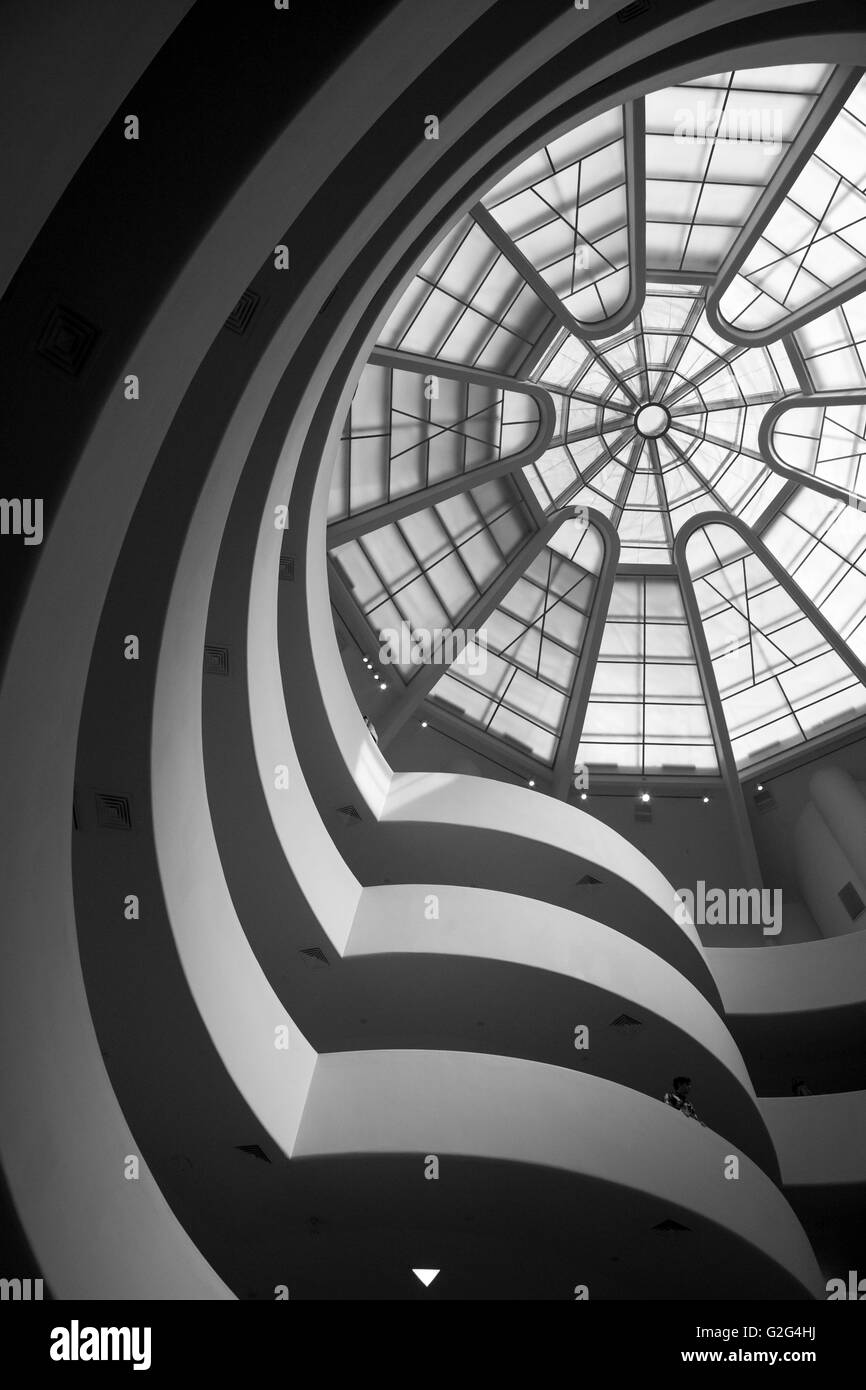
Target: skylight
column 656, row 318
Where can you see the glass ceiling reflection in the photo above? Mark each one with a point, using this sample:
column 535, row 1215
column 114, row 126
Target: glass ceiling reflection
column 606, row 331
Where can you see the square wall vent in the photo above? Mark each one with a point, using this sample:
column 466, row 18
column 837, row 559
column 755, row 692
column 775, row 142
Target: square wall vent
column 624, row 1023
column 113, row 812
column 216, row 661
column 314, row 957
column 66, row 340
column 241, row 315
column 851, row 901
column 634, row 11
column 254, row 1150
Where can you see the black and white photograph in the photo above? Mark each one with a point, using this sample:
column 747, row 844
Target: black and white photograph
column 432, row 676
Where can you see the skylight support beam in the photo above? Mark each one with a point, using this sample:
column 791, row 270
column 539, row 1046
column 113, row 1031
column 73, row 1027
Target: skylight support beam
column 372, row 518
column 522, row 264
column 749, row 861
column 589, row 471
column 627, row 479
column 799, row 363
column 778, row 572
column 504, row 755
column 827, row 107
column 576, row 436
column 353, row 618
column 422, row 682
column 815, row 399
column 634, row 145
column 663, row 493
column 634, row 569
column 543, row 343
column 530, row 501
column 706, row 373
column 634, row 122
column 705, row 437
column 682, row 342
column 777, row 505
column 702, row 482
column 679, row 277
column 575, row 713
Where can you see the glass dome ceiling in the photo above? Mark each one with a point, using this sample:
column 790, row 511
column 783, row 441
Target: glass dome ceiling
column 615, row 422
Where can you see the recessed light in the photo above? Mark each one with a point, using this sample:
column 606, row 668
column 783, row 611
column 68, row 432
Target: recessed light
column 382, row 685
column 706, row 801
column 531, row 783
column 583, row 796
column 423, row 723
column 645, row 796
column 760, row 787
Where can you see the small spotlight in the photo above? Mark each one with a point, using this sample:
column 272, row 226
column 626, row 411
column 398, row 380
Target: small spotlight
column 531, row 783
column 583, row 796
column 382, row 685
column 645, row 796
column 423, row 723
column 760, row 787
column 706, row 801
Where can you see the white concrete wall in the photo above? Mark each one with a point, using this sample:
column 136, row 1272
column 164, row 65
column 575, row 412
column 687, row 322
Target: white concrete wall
column 482, row 923
column 810, row 975
column 820, row 1140
column 449, row 799
column 462, row 1103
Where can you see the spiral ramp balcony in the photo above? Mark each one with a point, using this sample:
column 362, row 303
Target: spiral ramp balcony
column 282, row 1040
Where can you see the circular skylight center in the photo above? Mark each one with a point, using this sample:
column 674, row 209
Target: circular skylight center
column 651, row 421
